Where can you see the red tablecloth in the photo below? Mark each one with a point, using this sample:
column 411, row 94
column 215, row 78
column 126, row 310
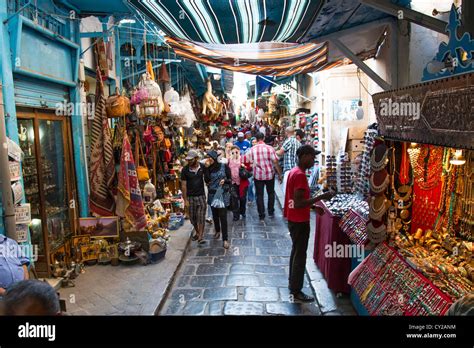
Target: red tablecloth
column 335, row 269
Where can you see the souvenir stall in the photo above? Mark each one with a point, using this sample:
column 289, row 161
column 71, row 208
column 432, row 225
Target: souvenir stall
column 338, row 223
column 137, row 144
column 421, row 217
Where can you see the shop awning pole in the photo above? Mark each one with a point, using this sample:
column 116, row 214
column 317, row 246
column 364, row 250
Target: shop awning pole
column 7, row 199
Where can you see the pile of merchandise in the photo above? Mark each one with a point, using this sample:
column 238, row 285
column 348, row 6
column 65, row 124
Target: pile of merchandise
column 362, row 183
column 354, row 225
column 344, row 173
column 342, row 203
column 387, row 285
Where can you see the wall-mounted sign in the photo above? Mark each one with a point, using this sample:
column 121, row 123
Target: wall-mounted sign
column 14, row 150
column 18, row 192
column 23, row 214
column 435, row 112
column 345, row 110
column 21, row 233
column 15, row 171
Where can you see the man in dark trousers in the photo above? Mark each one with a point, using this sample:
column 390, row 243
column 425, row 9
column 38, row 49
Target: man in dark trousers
column 297, row 211
column 192, row 186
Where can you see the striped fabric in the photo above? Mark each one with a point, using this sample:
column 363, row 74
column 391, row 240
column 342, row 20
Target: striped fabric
column 102, row 166
column 232, row 21
column 269, row 58
column 262, row 157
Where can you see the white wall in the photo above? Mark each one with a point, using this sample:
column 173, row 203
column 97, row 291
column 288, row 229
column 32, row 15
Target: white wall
column 92, row 24
column 337, row 84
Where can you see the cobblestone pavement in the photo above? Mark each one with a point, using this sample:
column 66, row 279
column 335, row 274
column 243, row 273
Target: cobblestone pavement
column 250, row 278
column 126, row 289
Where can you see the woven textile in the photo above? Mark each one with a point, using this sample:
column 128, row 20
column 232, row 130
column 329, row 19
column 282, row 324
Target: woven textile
column 129, row 197
column 102, row 166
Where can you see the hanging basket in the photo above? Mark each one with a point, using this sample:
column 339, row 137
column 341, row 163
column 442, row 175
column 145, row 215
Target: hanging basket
column 152, row 105
column 117, row 105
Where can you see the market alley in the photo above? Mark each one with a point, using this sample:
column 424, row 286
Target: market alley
column 250, row 278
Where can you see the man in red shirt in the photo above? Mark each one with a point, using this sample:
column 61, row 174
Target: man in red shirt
column 297, row 211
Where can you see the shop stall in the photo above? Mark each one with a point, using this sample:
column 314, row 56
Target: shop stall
column 341, row 223
column 421, row 218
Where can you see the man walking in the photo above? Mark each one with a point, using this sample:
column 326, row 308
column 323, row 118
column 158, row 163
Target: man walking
column 265, row 162
column 192, row 186
column 297, row 212
column 288, row 151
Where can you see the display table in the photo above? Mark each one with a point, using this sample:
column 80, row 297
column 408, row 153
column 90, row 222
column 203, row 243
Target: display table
column 328, row 233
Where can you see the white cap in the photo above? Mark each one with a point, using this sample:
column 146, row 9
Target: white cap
column 240, row 135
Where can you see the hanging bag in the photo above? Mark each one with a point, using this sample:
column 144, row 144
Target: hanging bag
column 117, row 105
column 244, row 173
column 142, row 171
column 218, row 201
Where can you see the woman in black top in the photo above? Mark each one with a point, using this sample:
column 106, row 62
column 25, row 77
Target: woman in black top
column 218, row 175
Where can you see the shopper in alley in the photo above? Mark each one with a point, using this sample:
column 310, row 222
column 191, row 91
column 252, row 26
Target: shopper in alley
column 192, row 187
column 265, row 164
column 297, row 211
column 218, row 178
column 242, row 143
column 288, row 151
column 238, row 199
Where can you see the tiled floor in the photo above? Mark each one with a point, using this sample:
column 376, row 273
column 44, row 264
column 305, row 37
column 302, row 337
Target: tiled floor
column 250, row 278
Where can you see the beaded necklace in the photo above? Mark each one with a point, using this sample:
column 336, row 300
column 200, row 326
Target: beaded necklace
column 428, row 167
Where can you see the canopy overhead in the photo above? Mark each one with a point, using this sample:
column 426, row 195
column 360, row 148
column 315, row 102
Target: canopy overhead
column 271, row 37
column 232, row 21
column 275, row 59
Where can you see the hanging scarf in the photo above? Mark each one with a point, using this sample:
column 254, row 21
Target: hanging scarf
column 102, row 167
column 129, row 197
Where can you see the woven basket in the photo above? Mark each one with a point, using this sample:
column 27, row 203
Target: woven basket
column 117, row 105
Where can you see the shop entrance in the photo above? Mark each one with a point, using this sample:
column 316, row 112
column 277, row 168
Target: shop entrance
column 49, row 183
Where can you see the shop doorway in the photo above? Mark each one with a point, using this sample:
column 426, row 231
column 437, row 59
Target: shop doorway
column 49, row 183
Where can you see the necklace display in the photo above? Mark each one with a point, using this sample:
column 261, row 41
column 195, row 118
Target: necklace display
column 466, row 221
column 378, row 165
column 428, row 175
column 428, row 167
column 377, row 211
column 376, row 234
column 379, row 188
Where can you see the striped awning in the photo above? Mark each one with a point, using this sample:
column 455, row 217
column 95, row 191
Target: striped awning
column 232, row 21
column 266, row 58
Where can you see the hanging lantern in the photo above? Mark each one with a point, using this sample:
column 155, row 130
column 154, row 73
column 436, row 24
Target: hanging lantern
column 163, row 75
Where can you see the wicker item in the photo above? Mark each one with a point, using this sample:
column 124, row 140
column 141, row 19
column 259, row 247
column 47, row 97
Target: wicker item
column 152, row 105
column 117, row 105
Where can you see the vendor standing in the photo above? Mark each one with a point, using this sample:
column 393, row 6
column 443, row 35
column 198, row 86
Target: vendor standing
column 297, row 211
column 13, row 264
column 192, row 186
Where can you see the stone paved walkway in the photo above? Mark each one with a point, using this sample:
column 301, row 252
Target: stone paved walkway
column 126, row 289
column 250, row 278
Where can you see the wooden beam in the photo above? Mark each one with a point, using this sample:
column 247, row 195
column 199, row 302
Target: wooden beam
column 357, row 61
column 408, row 14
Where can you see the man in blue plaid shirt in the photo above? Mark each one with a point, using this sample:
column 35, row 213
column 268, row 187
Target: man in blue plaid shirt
column 288, row 151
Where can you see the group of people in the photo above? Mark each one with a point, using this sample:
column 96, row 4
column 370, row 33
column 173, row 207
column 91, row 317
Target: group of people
column 230, row 173
column 234, row 167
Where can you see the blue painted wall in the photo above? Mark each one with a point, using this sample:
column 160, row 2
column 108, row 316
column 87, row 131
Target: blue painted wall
column 48, row 75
